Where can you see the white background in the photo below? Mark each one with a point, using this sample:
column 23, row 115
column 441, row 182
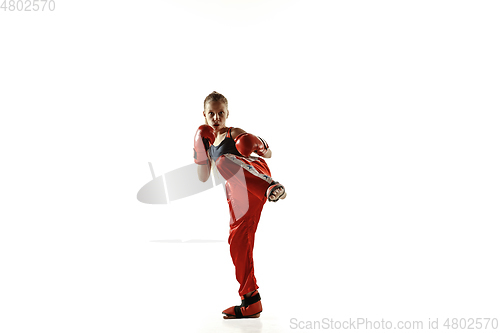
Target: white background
column 383, row 121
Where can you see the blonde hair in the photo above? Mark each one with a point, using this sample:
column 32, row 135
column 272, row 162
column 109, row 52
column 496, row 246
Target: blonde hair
column 215, row 97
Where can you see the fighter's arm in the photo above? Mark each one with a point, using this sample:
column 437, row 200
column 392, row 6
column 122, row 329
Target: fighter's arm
column 204, row 172
column 203, row 139
column 235, row 131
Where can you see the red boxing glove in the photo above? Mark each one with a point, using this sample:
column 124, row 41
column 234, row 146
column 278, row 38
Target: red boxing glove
column 203, row 139
column 247, row 143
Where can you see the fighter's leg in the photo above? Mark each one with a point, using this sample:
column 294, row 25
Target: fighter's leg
column 275, row 191
column 250, row 307
column 250, row 174
column 256, row 176
column 241, row 241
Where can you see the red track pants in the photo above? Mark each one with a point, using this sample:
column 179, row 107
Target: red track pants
column 247, row 180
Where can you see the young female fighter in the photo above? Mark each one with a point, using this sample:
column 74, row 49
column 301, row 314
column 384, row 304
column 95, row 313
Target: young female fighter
column 248, row 186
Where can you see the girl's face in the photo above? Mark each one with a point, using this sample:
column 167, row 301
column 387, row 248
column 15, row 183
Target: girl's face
column 216, row 113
